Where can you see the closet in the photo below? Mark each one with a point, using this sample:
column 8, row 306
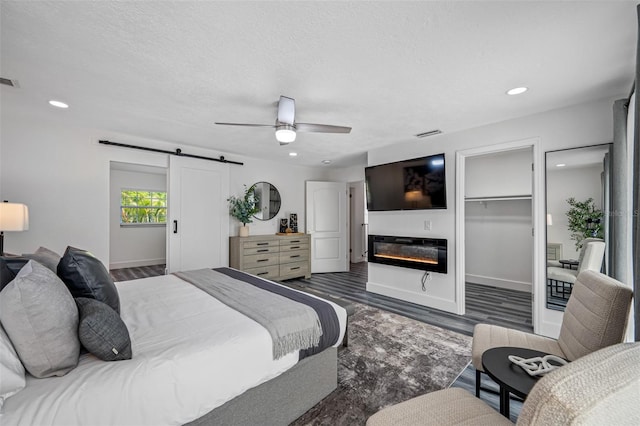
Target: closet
column 498, row 220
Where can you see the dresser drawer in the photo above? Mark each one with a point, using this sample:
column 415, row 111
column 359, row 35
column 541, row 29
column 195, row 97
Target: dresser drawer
column 265, row 271
column 258, row 250
column 294, row 241
column 254, row 244
column 294, row 247
column 294, row 269
column 255, row 260
column 294, row 256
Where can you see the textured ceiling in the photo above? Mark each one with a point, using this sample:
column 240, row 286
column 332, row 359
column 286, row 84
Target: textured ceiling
column 169, row 70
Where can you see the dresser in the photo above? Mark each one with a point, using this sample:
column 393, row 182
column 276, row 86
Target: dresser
column 276, row 257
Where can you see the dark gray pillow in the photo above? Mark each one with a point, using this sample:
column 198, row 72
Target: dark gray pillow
column 9, row 268
column 102, row 332
column 45, row 257
column 86, row 276
column 41, row 319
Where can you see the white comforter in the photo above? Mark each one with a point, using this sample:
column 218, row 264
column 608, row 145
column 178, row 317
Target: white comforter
column 191, row 354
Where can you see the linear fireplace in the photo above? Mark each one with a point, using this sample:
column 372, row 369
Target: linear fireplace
column 428, row 254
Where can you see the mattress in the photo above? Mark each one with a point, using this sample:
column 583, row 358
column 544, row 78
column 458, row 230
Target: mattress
column 191, row 354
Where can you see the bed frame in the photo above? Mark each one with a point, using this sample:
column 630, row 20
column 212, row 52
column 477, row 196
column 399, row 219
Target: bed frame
column 283, row 399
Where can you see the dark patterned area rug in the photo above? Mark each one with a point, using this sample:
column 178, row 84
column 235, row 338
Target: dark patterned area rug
column 390, row 358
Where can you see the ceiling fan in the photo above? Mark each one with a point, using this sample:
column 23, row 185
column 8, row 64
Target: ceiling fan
column 286, row 127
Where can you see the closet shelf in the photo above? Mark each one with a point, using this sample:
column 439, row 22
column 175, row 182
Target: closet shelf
column 500, row 198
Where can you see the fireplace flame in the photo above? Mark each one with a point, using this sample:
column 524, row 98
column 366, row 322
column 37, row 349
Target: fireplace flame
column 408, row 258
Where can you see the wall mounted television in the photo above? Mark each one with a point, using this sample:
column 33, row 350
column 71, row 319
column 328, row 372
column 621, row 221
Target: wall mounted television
column 416, row 184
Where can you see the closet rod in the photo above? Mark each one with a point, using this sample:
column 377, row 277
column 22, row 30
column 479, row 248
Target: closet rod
column 177, row 152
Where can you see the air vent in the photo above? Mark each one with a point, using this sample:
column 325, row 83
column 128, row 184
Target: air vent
column 9, row 82
column 429, row 133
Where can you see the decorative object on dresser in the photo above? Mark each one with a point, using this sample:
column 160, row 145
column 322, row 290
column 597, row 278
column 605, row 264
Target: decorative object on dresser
column 243, row 208
column 276, row 257
column 13, row 217
column 293, row 222
column 284, row 224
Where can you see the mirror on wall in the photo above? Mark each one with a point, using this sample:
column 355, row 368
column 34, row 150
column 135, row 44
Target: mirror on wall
column 270, row 201
column 577, row 201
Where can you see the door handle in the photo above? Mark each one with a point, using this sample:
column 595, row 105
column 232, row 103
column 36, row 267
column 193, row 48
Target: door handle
column 175, row 226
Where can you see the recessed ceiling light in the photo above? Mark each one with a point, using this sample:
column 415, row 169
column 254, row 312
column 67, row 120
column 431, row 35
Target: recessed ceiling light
column 517, row 90
column 293, row 154
column 58, row 104
column 560, row 165
column 326, row 161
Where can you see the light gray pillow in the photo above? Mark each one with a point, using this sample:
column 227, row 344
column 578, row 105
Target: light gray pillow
column 46, row 257
column 41, row 318
column 11, row 370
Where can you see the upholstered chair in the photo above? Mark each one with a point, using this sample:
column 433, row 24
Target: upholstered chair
column 601, row 388
column 590, row 259
column 595, row 317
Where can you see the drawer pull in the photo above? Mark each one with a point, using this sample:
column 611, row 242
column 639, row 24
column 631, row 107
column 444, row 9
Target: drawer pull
column 262, row 273
column 294, row 256
column 293, row 269
column 262, row 250
column 295, row 247
column 262, row 244
column 295, row 241
column 263, row 260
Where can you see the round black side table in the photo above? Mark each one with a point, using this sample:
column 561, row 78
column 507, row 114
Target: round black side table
column 511, row 378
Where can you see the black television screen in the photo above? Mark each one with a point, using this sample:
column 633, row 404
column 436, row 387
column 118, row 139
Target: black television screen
column 415, row 184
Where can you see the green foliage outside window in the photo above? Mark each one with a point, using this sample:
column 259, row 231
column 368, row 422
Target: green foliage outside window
column 146, row 207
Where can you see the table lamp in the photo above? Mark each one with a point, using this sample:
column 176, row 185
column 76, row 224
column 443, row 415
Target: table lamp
column 13, row 217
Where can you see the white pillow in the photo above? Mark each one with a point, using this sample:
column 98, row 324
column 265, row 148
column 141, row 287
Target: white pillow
column 11, row 369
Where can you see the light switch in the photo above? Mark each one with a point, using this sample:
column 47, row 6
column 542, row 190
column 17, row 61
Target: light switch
column 427, row 225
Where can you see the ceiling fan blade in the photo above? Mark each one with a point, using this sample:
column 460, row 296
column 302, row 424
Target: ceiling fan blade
column 321, row 128
column 286, row 110
column 245, row 124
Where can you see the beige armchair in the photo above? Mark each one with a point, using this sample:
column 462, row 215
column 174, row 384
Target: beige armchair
column 595, row 317
column 561, row 280
column 602, row 388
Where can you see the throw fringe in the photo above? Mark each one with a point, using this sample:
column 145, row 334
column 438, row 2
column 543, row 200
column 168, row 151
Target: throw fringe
column 303, row 339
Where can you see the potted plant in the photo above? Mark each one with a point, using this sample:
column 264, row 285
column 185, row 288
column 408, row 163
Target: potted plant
column 243, row 208
column 584, row 220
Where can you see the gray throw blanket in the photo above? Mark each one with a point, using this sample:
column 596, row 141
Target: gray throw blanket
column 292, row 325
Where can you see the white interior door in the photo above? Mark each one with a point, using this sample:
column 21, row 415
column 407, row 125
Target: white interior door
column 198, row 227
column 327, row 222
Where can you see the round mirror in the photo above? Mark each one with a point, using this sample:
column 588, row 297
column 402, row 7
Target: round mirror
column 268, row 200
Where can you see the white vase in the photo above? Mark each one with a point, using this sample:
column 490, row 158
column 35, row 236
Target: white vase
column 244, row 231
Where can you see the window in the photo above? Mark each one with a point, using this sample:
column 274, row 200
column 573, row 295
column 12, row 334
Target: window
column 143, row 207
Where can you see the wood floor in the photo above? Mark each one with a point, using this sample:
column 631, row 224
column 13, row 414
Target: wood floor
column 484, row 304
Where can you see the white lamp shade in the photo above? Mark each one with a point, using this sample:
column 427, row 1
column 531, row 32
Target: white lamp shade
column 14, row 217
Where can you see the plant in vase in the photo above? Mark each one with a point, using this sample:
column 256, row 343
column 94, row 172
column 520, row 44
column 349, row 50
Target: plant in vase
column 585, row 220
column 243, row 208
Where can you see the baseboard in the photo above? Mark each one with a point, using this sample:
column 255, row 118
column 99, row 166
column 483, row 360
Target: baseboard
column 137, row 263
column 410, row 296
column 498, row 282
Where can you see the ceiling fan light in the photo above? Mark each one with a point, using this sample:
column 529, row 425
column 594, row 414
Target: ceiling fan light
column 285, row 133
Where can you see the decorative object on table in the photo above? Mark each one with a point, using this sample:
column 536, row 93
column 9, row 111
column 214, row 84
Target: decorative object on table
column 538, row 366
column 284, row 224
column 243, row 208
column 293, row 222
column 13, row 217
column 584, row 220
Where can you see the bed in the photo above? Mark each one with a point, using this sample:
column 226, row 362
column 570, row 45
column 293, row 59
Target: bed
column 195, row 361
